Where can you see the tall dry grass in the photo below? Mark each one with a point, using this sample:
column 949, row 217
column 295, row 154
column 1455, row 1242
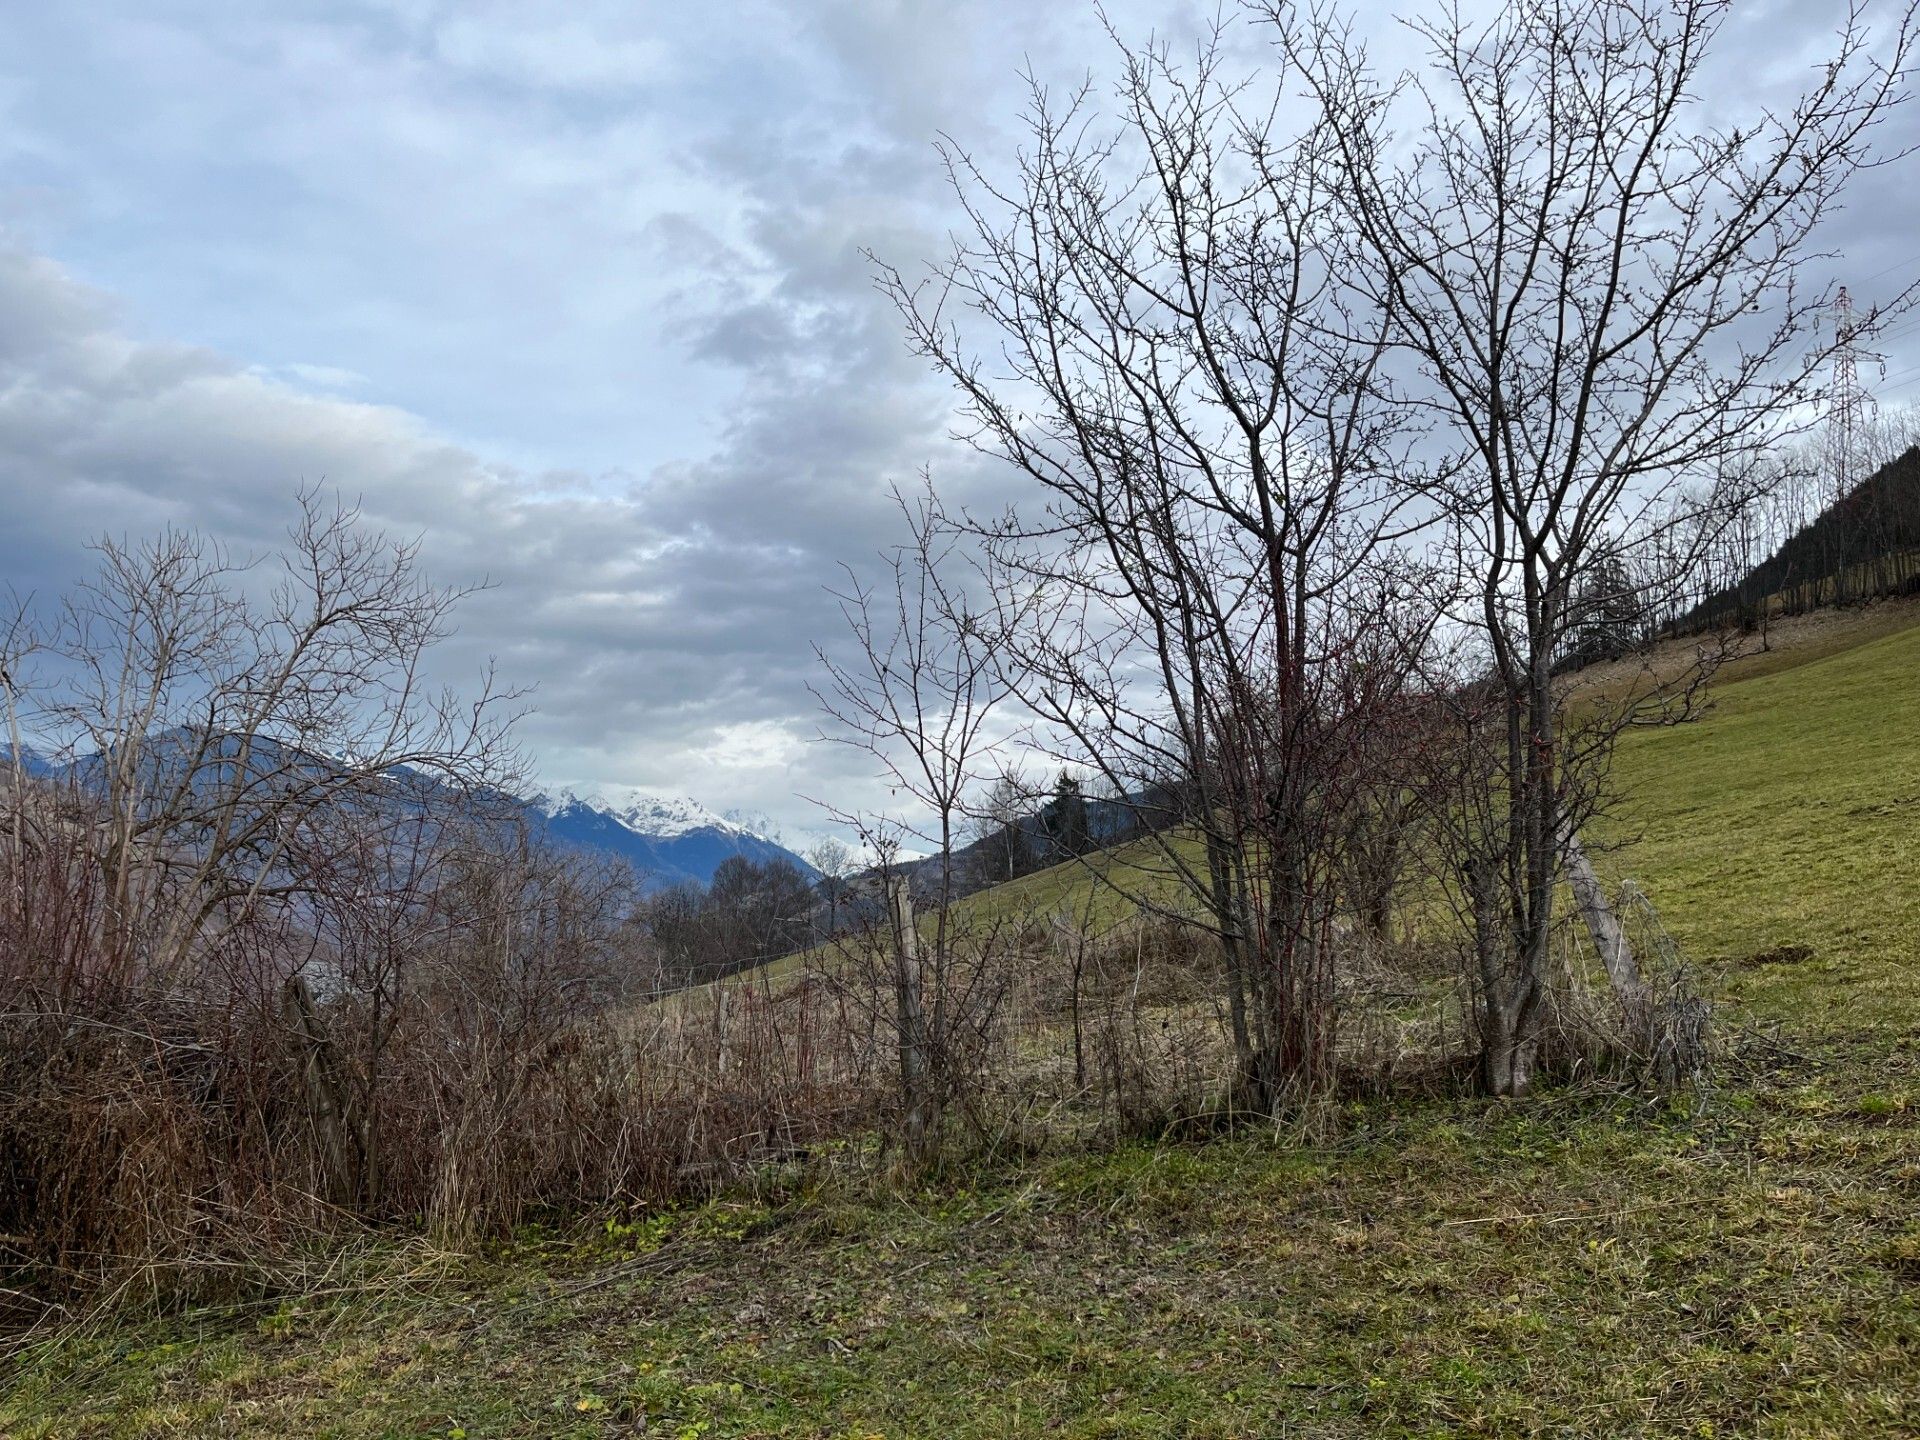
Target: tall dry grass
column 167, row 1135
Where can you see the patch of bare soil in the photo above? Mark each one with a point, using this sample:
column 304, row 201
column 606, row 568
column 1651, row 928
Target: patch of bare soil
column 1781, row 955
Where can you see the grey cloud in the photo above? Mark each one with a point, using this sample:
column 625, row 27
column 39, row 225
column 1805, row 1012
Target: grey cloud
column 604, row 269
column 655, row 628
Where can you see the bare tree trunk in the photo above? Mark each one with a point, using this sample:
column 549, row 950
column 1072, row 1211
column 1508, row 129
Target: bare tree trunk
column 1510, row 1043
column 327, row 1095
column 1508, row 1008
column 1079, row 1031
column 1220, row 894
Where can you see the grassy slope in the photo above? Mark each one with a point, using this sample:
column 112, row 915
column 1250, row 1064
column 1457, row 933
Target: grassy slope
column 1787, row 817
column 1670, row 778
column 1784, row 817
column 1566, row 1267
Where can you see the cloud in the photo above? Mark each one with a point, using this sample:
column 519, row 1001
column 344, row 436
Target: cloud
column 318, row 377
column 670, row 646
column 581, row 303
column 576, row 54
column 578, row 298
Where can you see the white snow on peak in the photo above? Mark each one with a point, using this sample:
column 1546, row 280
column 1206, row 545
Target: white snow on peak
column 753, row 822
column 666, row 818
column 651, row 815
column 551, row 802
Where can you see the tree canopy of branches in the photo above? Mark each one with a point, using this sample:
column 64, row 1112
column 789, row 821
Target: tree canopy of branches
column 1531, row 297
column 1208, row 421
column 223, row 730
column 920, row 696
column 1603, row 295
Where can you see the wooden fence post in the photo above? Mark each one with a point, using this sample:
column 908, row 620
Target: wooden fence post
column 911, row 1021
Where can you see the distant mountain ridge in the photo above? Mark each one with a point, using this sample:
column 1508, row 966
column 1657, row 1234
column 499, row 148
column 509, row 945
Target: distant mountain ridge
column 668, row 841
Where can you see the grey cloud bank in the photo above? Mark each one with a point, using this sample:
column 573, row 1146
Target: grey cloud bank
column 670, row 649
column 578, row 298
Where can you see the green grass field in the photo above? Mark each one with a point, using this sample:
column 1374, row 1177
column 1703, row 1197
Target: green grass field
column 1746, row 1264
column 1783, row 818
column 1786, row 818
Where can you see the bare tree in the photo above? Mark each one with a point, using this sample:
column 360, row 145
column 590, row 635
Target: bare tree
column 1000, row 827
column 1172, row 357
column 214, row 730
column 261, row 898
column 920, row 695
column 1599, row 300
column 833, row 859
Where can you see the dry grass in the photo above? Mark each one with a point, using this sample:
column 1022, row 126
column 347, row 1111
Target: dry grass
column 1577, row 1266
column 1790, row 641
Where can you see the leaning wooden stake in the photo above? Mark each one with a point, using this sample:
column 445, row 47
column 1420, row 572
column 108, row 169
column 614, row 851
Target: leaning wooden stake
column 1609, row 936
column 911, row 1019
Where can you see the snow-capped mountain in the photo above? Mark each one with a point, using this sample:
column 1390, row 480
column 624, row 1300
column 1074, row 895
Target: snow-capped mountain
column 647, row 814
column 667, row 841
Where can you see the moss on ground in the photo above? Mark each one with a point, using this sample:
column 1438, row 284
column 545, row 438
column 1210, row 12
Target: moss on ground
column 1751, row 1267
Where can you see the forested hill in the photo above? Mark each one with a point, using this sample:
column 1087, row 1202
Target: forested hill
column 1865, row 544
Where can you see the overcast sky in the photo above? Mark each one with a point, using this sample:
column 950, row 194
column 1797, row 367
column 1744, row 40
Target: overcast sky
column 574, row 292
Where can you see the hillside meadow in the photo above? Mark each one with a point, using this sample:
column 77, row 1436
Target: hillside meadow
column 1745, row 1262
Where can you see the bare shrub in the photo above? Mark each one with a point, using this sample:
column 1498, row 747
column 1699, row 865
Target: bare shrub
column 278, row 957
column 177, row 1134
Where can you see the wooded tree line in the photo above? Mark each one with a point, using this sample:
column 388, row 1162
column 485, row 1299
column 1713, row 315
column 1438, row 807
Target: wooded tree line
column 1789, row 553
column 1019, row 827
column 1795, row 538
column 751, row 912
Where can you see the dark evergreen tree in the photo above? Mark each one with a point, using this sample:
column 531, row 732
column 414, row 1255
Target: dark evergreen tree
column 1065, row 820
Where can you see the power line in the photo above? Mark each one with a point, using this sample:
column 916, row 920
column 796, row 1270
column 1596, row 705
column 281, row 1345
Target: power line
column 1906, row 329
column 1897, row 265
